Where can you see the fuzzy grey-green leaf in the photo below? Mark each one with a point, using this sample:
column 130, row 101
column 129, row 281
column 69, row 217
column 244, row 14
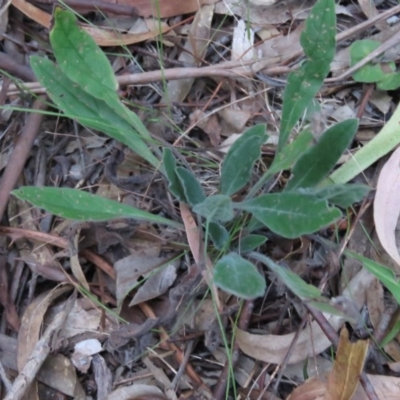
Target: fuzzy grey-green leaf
column 215, row 208
column 219, row 235
column 239, row 277
column 194, row 193
column 291, row 214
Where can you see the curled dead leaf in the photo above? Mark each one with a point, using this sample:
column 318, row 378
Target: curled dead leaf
column 387, row 205
column 311, row 341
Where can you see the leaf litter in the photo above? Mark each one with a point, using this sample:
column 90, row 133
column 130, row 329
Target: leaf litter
column 149, row 321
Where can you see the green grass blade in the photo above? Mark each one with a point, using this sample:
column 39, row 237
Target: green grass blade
column 384, row 142
column 383, row 273
column 82, row 206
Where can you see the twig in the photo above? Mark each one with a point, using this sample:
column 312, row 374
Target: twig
column 7, row 383
column 95, row 5
column 391, row 42
column 19, row 71
column 59, row 242
column 21, row 152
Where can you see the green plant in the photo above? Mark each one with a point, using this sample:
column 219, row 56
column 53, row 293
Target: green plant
column 382, row 73
column 83, row 86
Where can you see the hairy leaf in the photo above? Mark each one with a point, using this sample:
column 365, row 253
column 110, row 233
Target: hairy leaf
column 238, row 163
column 219, row 235
column 215, row 208
column 318, row 42
column 343, row 195
column 293, row 281
column 316, row 163
column 291, row 214
column 239, row 277
column 84, row 63
column 82, row 206
column 285, row 159
column 175, row 185
column 250, row 243
column 80, row 58
column 191, row 186
column 91, row 112
column 383, row 273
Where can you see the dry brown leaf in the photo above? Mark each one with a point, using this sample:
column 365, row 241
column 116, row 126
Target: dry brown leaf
column 243, row 42
column 193, row 236
column 83, row 352
column 387, row 205
column 375, row 303
column 31, row 323
column 76, row 268
column 273, row 348
column 208, row 122
column 136, row 391
column 262, row 15
column 107, row 38
column 312, row 389
column 386, row 388
column 156, row 285
column 311, row 341
column 58, row 373
column 130, row 268
column 349, row 363
column 102, row 37
column 195, row 48
column 165, row 9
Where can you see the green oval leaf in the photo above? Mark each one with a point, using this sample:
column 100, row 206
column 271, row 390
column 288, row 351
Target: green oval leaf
column 316, row 163
column 369, row 73
column 239, row 277
column 291, row 214
column 238, row 163
column 390, row 82
column 82, row 206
